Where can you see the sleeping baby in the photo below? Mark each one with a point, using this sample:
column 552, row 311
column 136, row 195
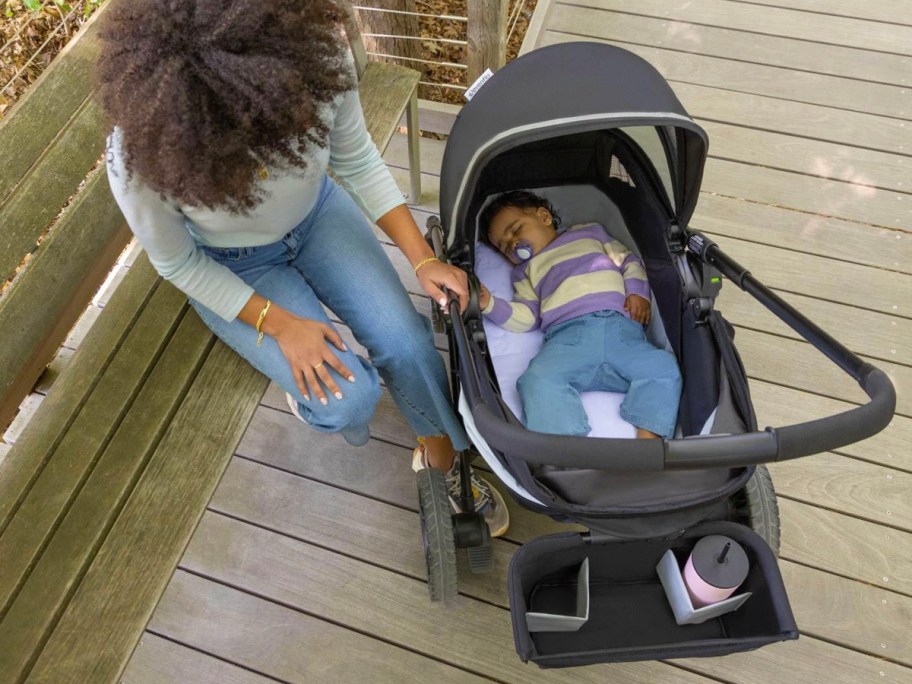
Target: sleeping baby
column 589, row 295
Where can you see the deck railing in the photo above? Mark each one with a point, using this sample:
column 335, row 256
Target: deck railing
column 33, row 32
column 469, row 43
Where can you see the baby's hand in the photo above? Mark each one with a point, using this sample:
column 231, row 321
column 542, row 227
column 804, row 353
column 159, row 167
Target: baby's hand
column 484, row 296
column 639, row 308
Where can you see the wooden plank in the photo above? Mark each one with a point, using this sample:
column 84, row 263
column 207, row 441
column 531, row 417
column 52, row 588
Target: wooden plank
column 777, row 405
column 873, row 493
column 856, row 593
column 747, row 47
column 160, row 661
column 881, row 336
column 106, row 617
column 27, row 410
column 50, row 294
column 774, row 21
column 540, row 17
column 37, row 118
column 868, row 333
column 384, row 91
column 74, row 386
column 31, row 208
column 473, row 635
column 434, row 117
column 54, row 369
column 799, row 365
column 852, row 614
column 805, row 660
column 322, row 515
column 887, row 11
column 889, row 248
column 837, row 281
column 846, row 546
column 812, row 195
column 278, row 439
column 71, row 461
column 851, row 165
column 784, row 116
column 803, row 232
column 731, row 71
column 346, row 522
column 285, row 643
column 297, row 508
column 79, row 331
column 44, row 592
column 486, row 30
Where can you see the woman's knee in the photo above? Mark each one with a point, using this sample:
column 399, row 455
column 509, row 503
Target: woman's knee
column 355, row 408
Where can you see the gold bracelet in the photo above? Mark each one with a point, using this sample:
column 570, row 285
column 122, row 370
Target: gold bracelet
column 424, row 262
column 260, row 321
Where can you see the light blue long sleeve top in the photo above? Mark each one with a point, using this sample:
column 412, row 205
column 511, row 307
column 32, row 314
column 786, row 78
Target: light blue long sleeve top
column 171, row 232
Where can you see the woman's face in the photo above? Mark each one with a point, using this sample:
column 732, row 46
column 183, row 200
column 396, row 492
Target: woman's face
column 510, row 225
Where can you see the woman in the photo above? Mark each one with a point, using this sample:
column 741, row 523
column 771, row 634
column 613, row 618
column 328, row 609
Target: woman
column 225, row 118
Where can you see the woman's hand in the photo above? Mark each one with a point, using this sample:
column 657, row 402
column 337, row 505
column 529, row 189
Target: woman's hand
column 639, row 308
column 435, row 275
column 306, row 345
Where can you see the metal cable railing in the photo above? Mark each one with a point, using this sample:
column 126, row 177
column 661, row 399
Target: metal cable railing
column 518, row 7
column 49, row 21
column 438, row 43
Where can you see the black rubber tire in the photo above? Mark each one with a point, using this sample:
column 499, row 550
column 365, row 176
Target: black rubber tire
column 437, row 535
column 756, row 507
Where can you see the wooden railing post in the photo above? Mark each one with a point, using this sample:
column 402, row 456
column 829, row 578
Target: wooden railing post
column 487, row 36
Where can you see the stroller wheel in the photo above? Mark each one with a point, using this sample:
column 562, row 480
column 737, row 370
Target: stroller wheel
column 437, row 534
column 756, row 507
column 481, row 558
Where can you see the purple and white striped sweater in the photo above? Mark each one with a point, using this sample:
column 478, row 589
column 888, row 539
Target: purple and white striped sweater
column 583, row 270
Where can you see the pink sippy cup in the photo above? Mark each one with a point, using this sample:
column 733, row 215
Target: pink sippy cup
column 715, row 569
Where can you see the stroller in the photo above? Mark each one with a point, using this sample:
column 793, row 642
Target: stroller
column 621, row 151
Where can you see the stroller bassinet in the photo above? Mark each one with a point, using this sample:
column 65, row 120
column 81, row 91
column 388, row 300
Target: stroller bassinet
column 599, row 132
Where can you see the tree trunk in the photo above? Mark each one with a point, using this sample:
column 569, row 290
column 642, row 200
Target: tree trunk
column 388, row 23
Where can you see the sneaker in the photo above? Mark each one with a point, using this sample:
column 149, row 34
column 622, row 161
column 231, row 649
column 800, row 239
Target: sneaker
column 356, row 436
column 488, row 500
column 293, row 405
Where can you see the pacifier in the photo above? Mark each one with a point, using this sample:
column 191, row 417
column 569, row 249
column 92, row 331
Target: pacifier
column 523, row 250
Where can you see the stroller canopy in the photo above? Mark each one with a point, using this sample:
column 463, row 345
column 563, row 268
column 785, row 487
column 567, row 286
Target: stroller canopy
column 565, row 89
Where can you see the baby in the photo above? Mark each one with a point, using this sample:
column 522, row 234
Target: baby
column 589, row 295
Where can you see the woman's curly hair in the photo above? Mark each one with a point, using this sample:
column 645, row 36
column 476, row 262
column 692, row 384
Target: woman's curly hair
column 207, row 92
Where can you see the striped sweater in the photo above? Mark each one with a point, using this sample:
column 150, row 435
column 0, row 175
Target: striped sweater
column 583, row 270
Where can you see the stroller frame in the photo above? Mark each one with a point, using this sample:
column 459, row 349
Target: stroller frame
column 628, row 94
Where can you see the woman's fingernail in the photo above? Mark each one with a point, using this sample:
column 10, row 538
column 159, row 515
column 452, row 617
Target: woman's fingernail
column 306, row 397
column 351, row 378
column 338, row 395
column 323, row 401
column 344, row 347
column 443, row 302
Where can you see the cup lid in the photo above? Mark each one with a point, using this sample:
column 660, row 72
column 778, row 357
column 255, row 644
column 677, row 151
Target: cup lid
column 726, row 573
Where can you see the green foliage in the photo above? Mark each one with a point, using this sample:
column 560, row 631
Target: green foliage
column 35, row 6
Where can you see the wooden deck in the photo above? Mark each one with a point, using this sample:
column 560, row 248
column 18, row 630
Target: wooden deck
column 307, row 565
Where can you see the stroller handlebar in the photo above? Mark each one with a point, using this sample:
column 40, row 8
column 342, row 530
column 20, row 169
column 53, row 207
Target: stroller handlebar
column 701, row 451
column 704, row 451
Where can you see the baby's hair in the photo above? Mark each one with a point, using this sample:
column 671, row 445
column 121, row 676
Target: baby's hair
column 520, row 199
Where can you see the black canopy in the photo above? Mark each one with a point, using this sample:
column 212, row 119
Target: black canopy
column 564, row 89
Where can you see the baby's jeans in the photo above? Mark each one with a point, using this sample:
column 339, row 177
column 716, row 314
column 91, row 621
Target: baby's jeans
column 601, row 351
column 333, row 257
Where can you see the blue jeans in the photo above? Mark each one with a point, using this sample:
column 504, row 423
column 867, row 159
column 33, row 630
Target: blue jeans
column 333, row 257
column 601, row 351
